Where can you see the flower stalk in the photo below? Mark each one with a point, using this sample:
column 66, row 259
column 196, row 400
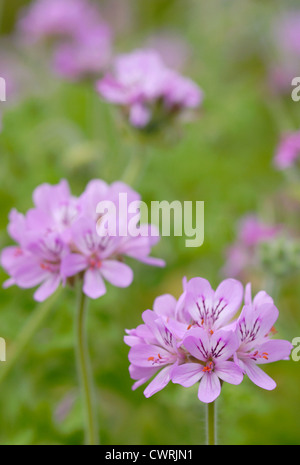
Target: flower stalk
column 211, row 424
column 84, row 372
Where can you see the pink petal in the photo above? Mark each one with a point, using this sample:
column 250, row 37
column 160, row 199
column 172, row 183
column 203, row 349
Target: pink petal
column 268, row 315
column 165, row 305
column 151, row 261
column 8, row 283
column 230, row 291
column 30, row 274
column 187, row 374
column 262, row 298
column 117, row 273
column 197, row 344
column 145, row 355
column 73, row 264
column 47, row 288
column 277, row 349
column 225, row 343
column 209, row 387
column 198, row 288
column 228, row 372
column 93, row 285
column 258, row 376
column 159, row 382
column 142, row 375
column 111, row 90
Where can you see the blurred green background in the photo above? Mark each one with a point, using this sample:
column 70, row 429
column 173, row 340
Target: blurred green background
column 63, row 130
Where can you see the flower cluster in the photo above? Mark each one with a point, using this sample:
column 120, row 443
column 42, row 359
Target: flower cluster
column 147, row 90
column 82, row 39
column 196, row 340
column 57, row 240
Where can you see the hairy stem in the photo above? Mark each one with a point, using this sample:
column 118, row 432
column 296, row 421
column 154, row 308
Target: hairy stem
column 211, row 424
column 84, row 373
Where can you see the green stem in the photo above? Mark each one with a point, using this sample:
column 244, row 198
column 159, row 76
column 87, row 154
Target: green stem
column 137, row 165
column 133, row 168
column 26, row 334
column 84, row 373
column 211, row 424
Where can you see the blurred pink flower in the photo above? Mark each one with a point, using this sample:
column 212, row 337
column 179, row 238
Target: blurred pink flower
column 287, row 31
column 284, row 64
column 288, row 151
column 147, row 89
column 83, row 39
column 243, row 254
column 56, row 18
column 88, row 55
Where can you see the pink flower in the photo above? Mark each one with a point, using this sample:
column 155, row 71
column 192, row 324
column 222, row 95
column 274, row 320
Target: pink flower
column 196, row 339
column 287, row 32
column 40, row 265
column 260, row 298
column 56, row 18
column 55, row 209
column 97, row 257
column 83, row 40
column 88, row 55
column 211, row 363
column 253, row 328
column 147, row 89
column 154, row 352
column 42, row 240
column 211, row 309
column 288, row 151
column 243, row 253
column 100, row 256
column 57, row 240
column 253, row 231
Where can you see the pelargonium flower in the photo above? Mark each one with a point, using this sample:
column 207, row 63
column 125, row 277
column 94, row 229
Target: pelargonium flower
column 55, row 209
column 253, row 328
column 286, row 39
column 288, row 151
column 155, row 351
column 88, row 55
column 147, row 90
column 41, row 265
column 82, row 46
column 97, row 257
column 196, row 339
column 243, row 254
column 57, row 239
column 287, row 32
column 41, row 237
column 209, row 361
column 56, row 18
